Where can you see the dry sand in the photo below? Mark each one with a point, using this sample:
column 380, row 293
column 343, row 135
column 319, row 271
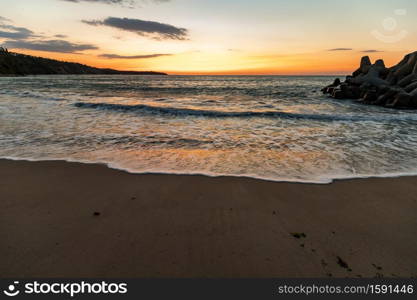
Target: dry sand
column 196, row 226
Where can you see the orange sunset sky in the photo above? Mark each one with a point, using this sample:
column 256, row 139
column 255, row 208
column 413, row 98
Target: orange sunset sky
column 212, row 37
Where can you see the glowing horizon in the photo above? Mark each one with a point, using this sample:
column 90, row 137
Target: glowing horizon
column 225, row 38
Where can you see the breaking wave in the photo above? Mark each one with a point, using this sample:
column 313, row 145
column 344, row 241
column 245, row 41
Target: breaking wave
column 174, row 111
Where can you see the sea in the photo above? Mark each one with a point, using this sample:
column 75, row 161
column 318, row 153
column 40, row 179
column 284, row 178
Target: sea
column 278, row 128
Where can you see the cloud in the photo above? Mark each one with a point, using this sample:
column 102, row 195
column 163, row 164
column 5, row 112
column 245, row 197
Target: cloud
column 120, row 2
column 340, row 49
column 49, row 46
column 22, row 38
column 3, row 19
column 99, row 1
column 153, row 29
column 9, row 31
column 116, row 56
column 129, row 3
column 13, row 32
column 371, row 51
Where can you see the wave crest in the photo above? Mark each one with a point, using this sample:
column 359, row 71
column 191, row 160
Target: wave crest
column 174, row 111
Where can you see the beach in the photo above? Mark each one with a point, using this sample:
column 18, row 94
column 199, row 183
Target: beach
column 61, row 219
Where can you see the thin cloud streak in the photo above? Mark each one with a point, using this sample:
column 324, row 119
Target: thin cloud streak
column 60, row 46
column 341, row 49
column 371, row 51
column 116, row 56
column 127, row 3
column 152, row 29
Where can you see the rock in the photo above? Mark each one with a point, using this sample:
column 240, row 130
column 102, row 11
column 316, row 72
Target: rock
column 407, row 80
column 344, row 87
column 354, row 92
column 375, row 84
column 401, row 100
column 298, row 235
column 371, row 78
column 349, row 91
column 329, row 90
column 380, row 63
column 354, row 74
column 413, row 94
column 365, row 64
column 370, row 97
column 339, row 94
column 335, row 83
column 412, row 86
column 413, row 99
column 381, row 100
column 332, row 89
column 407, row 67
column 389, row 97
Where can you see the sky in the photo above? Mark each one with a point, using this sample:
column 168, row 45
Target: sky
column 297, row 37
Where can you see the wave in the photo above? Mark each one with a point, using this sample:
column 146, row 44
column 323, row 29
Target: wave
column 174, row 111
column 36, row 95
column 268, row 91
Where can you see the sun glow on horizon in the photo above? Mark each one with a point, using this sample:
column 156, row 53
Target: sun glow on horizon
column 267, row 38
column 231, row 63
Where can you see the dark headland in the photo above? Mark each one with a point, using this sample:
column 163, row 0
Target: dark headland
column 394, row 87
column 15, row 64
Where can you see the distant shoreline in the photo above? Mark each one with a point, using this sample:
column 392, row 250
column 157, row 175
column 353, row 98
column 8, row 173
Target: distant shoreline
column 28, row 75
column 16, row 64
column 174, row 75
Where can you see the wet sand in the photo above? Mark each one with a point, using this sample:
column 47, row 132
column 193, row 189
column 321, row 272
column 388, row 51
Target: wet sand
column 60, row 219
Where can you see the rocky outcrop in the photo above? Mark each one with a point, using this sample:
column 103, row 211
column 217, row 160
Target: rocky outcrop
column 394, row 87
column 19, row 64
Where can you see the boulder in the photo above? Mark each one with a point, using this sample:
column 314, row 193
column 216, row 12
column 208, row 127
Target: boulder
column 401, row 100
column 413, row 93
column 371, row 78
column 336, row 82
column 407, row 80
column 407, row 67
column 365, row 63
column 412, row 86
column 394, row 87
column 370, row 97
column 413, row 99
column 380, row 63
column 329, row 89
column 339, row 94
column 363, row 67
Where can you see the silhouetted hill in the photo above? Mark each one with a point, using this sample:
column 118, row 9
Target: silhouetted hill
column 20, row 64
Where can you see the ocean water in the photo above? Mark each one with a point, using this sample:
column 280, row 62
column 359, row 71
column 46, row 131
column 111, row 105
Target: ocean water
column 270, row 127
